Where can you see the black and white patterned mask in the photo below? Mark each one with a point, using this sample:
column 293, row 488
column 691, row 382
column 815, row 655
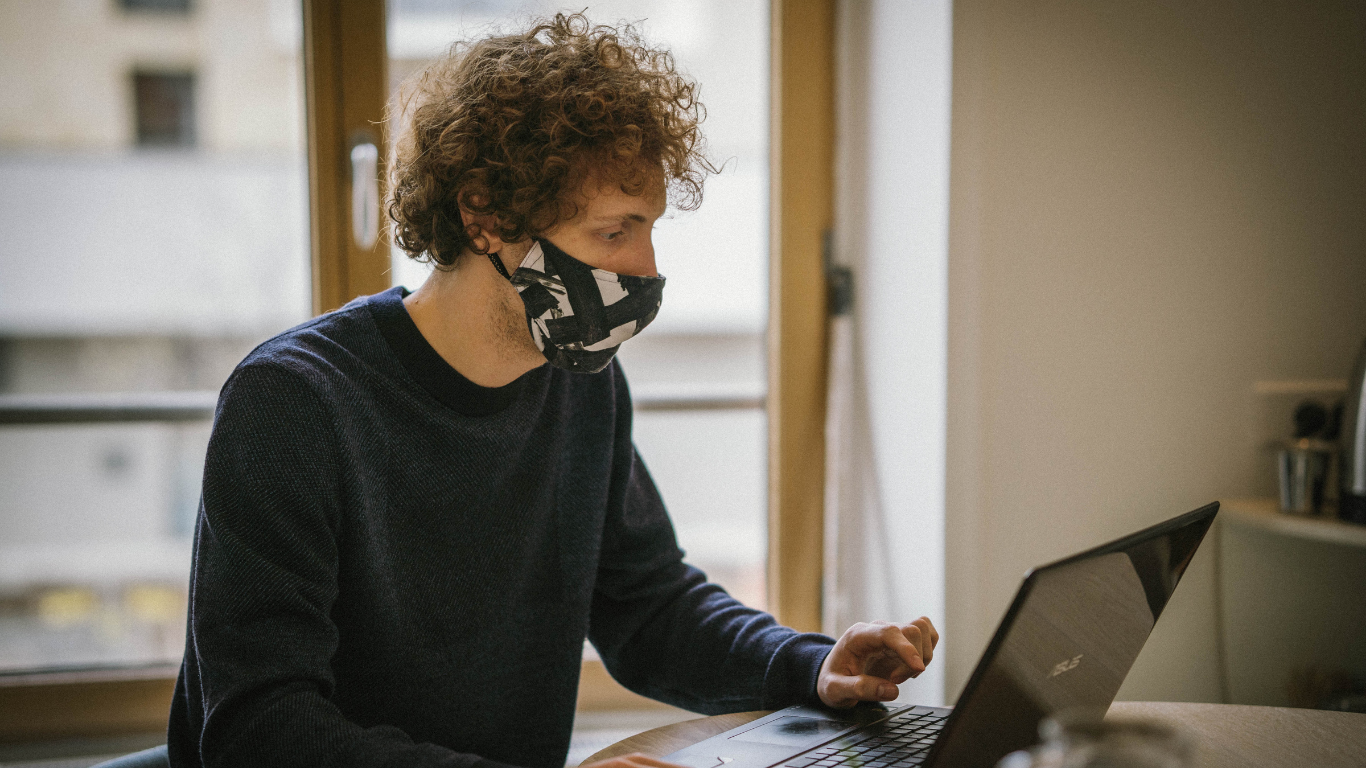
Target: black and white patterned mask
column 579, row 315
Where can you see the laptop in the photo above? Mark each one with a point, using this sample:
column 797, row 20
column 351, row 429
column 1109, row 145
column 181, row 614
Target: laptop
column 1067, row 641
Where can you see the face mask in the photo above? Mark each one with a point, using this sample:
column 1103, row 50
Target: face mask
column 579, row 315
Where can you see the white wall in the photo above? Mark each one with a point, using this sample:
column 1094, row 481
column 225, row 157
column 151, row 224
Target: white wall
column 885, row 496
column 1153, row 205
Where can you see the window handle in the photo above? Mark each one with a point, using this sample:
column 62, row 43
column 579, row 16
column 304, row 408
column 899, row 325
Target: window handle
column 364, row 194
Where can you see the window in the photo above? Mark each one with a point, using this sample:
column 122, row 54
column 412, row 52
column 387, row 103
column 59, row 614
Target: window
column 164, row 106
column 131, row 283
column 179, row 263
column 157, row 6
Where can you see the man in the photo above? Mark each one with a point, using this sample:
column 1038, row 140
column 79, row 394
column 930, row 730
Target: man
column 417, row 507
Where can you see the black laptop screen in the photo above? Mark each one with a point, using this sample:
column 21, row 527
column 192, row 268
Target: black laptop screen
column 1068, row 639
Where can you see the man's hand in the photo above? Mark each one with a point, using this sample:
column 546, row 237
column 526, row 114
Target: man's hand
column 870, row 660
column 633, row 760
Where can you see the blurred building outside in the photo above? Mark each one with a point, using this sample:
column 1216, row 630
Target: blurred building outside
column 153, row 196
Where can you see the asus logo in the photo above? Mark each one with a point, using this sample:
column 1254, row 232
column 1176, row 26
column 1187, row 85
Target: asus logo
column 1065, row 666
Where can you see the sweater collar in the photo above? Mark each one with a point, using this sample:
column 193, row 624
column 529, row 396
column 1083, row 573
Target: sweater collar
column 427, row 366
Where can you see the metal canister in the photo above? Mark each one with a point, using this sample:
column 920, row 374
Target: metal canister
column 1352, row 474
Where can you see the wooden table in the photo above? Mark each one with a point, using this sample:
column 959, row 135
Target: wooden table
column 1226, row 735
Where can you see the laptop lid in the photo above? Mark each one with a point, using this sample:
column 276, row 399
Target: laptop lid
column 1068, row 639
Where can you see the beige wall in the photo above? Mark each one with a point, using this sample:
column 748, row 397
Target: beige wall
column 1153, row 205
column 66, row 71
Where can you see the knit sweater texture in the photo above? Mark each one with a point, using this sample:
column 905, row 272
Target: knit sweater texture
column 395, row 566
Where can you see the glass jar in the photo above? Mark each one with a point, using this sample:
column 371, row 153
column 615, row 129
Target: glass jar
column 1084, row 740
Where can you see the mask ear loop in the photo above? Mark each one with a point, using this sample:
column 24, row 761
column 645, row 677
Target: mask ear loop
column 498, row 265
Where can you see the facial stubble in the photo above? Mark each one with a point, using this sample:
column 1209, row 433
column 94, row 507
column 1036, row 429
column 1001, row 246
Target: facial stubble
column 511, row 330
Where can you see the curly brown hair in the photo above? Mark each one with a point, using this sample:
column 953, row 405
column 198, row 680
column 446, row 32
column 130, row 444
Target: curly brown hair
column 514, row 125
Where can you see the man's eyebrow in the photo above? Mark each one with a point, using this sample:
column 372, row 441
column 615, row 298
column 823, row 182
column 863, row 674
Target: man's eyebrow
column 618, row 218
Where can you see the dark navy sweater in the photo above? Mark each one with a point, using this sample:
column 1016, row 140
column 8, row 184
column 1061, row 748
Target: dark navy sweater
column 394, row 566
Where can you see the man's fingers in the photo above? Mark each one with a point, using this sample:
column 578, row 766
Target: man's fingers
column 928, row 627
column 929, row 638
column 909, row 644
column 640, row 758
column 870, row 660
column 653, row 762
column 848, row 690
column 633, row 760
column 905, row 641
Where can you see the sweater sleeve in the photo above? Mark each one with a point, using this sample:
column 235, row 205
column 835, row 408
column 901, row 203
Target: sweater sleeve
column 256, row 682
column 665, row 632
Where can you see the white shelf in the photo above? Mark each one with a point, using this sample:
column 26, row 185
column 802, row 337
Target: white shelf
column 1266, row 515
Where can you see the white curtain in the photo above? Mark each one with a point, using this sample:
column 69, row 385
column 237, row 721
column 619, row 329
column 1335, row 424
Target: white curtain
column 885, row 432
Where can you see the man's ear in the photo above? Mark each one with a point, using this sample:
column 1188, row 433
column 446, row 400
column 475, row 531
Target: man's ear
column 482, row 229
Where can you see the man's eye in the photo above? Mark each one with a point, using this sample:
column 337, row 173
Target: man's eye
column 611, row 235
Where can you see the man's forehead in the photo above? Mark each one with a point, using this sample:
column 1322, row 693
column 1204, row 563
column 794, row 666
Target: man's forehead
column 612, row 205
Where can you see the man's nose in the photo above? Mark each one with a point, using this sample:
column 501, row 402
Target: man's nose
column 643, row 263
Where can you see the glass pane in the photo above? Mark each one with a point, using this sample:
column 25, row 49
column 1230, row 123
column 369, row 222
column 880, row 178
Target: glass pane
column 154, row 216
column 708, row 340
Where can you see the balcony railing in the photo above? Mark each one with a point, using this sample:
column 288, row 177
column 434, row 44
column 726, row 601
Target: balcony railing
column 198, row 405
column 93, row 408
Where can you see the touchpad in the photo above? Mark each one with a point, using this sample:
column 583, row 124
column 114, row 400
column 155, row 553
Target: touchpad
column 796, row 732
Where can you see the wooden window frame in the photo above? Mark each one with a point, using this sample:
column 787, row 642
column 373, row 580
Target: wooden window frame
column 346, row 64
column 802, row 148
column 347, row 88
column 54, row 706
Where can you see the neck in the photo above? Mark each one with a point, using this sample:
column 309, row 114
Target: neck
column 473, row 318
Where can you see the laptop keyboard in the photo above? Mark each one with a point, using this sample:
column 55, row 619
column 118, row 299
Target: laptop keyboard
column 901, row 740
